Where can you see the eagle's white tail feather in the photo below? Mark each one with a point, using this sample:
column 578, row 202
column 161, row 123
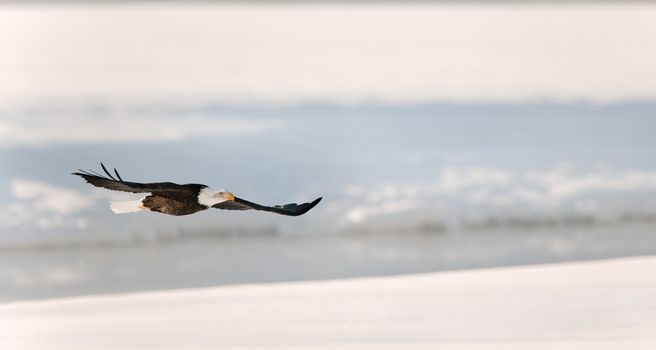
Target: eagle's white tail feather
column 127, row 206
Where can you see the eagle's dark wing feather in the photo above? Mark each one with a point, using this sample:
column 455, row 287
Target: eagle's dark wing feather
column 117, row 184
column 291, row 209
column 232, row 205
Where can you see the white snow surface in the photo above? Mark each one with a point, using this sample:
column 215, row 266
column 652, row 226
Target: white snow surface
column 585, row 305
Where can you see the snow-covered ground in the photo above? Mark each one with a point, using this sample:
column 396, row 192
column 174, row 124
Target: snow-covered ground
column 608, row 304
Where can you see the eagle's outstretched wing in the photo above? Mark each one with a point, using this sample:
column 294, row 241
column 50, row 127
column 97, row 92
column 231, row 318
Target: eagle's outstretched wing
column 291, row 209
column 117, row 184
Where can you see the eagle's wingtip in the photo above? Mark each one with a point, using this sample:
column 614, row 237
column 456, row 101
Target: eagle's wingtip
column 314, row 203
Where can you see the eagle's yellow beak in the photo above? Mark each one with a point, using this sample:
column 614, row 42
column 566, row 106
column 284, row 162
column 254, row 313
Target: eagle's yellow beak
column 230, row 196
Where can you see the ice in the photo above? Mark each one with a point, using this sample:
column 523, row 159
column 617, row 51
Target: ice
column 591, row 305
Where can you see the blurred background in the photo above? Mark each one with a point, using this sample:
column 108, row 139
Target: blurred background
column 441, row 135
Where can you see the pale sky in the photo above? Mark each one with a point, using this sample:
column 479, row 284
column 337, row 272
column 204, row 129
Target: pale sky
column 336, row 53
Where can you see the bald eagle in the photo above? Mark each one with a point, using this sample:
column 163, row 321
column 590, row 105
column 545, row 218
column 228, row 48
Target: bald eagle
column 174, row 199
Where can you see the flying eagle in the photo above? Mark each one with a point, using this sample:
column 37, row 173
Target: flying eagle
column 174, row 199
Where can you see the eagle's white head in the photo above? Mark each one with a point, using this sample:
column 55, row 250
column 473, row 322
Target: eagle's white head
column 209, row 197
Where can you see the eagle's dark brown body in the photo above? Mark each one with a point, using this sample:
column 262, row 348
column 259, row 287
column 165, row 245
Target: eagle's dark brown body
column 172, row 206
